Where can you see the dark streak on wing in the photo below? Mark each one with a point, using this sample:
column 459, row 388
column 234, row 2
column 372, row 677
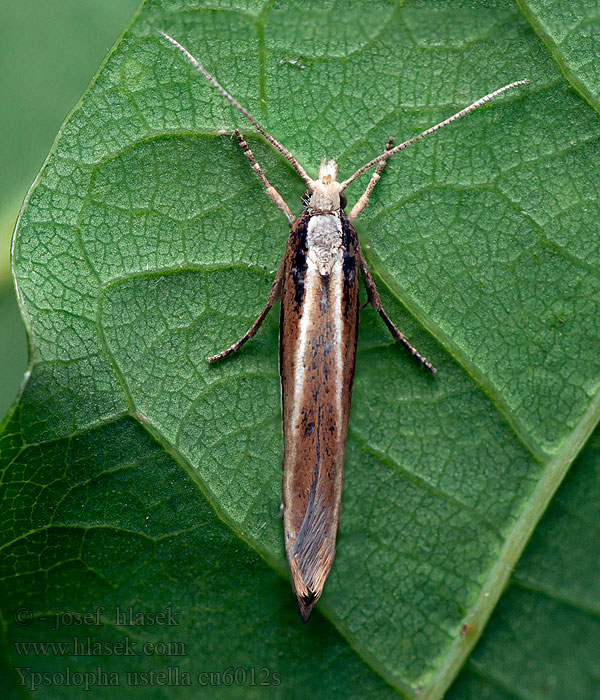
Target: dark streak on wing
column 298, row 269
column 295, row 255
column 305, row 539
column 350, row 243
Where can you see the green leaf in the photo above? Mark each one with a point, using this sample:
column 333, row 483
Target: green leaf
column 39, row 82
column 118, row 532
column 543, row 639
column 136, row 475
column 43, row 75
column 570, row 31
column 13, row 348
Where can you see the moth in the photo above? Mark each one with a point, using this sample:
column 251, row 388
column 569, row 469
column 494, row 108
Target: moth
column 318, row 283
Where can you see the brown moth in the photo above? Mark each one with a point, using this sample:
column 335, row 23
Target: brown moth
column 318, row 281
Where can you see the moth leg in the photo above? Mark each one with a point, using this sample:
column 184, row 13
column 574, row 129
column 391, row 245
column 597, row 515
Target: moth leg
column 363, row 200
column 375, row 301
column 273, row 296
column 272, row 193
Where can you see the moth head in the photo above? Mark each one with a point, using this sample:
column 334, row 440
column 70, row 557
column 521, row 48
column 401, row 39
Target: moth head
column 326, row 190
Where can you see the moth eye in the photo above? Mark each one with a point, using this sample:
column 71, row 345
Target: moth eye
column 343, row 200
column 306, row 198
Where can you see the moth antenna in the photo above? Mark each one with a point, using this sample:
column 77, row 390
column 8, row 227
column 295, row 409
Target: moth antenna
column 213, row 81
column 388, row 154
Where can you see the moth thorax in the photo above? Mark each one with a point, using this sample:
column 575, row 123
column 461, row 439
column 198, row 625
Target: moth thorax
column 326, row 189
